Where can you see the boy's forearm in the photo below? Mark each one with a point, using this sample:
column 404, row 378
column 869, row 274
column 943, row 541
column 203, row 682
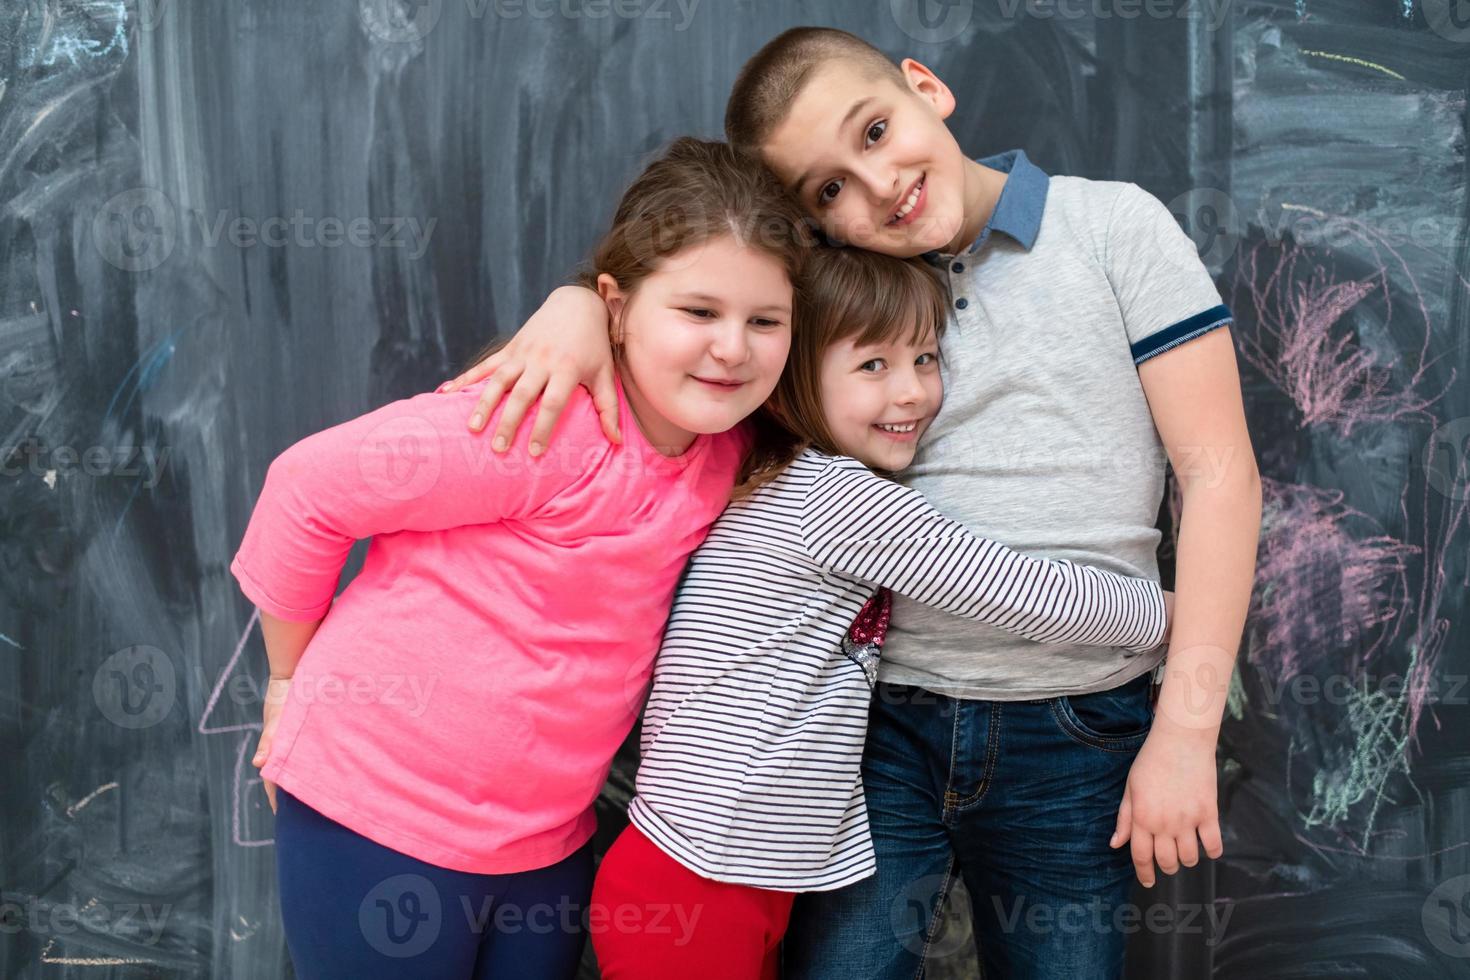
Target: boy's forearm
column 1218, row 534
column 285, row 642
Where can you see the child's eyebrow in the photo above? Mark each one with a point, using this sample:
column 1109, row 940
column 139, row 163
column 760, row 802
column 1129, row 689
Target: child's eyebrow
column 852, row 111
column 709, row 300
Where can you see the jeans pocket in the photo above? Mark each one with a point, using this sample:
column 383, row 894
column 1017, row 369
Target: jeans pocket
column 1117, row 720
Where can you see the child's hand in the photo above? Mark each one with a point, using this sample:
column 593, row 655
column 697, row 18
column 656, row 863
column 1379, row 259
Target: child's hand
column 563, row 345
column 275, row 696
column 1169, row 806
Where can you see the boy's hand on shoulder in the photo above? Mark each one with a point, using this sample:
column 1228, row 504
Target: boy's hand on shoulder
column 1170, row 805
column 565, row 344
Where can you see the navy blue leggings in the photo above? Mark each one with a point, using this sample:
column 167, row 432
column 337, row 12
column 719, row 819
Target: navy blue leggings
column 353, row 908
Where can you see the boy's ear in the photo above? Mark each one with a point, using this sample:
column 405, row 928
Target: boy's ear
column 927, row 86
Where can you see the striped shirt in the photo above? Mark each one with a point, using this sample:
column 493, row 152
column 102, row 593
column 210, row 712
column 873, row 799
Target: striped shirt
column 753, row 732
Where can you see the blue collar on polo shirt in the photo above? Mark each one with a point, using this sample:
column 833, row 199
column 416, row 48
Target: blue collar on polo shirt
column 1022, row 199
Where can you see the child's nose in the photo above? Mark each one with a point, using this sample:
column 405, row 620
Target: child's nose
column 729, row 344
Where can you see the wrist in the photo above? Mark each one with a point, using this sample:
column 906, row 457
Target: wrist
column 1196, row 731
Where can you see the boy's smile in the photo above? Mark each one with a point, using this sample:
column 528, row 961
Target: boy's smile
column 875, row 165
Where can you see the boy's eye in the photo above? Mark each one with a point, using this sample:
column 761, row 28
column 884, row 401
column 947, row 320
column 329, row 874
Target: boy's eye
column 873, row 134
column 920, row 358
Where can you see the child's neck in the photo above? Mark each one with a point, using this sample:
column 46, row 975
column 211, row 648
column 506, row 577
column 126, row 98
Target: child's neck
column 664, row 436
column 982, row 190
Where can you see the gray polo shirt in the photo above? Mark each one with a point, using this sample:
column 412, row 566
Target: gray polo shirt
column 1045, row 442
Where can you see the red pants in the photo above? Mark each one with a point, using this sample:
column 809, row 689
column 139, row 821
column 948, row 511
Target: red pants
column 651, row 918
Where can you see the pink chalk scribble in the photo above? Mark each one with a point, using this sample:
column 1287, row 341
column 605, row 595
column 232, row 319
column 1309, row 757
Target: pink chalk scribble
column 1298, row 334
column 1321, row 587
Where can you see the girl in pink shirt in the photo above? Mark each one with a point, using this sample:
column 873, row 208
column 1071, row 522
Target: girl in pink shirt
column 435, row 738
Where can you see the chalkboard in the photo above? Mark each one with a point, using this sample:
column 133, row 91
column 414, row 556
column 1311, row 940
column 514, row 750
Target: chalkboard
column 224, row 226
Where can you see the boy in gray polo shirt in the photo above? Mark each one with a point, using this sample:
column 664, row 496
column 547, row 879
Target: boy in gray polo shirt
column 1085, row 348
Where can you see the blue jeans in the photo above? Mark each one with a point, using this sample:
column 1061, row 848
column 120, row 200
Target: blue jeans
column 353, row 908
column 1017, row 797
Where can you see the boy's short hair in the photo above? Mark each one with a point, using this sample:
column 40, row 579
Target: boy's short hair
column 772, row 79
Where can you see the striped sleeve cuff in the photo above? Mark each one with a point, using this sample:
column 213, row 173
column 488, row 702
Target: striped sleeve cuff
column 1180, row 333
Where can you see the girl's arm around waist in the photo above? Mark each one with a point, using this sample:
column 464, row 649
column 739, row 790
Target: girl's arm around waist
column 886, row 534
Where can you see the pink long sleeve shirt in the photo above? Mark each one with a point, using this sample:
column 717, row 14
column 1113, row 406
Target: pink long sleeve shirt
column 463, row 698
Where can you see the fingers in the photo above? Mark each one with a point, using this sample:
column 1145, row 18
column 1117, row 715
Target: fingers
column 504, row 376
column 553, row 403
column 1143, row 856
column 1125, row 821
column 526, row 391
column 270, row 794
column 1166, row 854
column 261, row 751
column 1187, row 845
column 1209, row 835
column 605, row 398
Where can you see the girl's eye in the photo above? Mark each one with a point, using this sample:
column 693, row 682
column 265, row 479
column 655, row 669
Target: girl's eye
column 879, row 127
column 698, row 311
column 922, row 356
column 823, row 198
column 760, row 322
column 864, row 365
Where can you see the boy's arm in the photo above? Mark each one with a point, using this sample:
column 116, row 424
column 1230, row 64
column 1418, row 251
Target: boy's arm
column 856, row 522
column 1194, row 395
column 563, row 345
column 1180, row 339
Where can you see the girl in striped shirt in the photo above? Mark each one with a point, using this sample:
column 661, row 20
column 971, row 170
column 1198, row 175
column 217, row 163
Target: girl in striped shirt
column 749, row 788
